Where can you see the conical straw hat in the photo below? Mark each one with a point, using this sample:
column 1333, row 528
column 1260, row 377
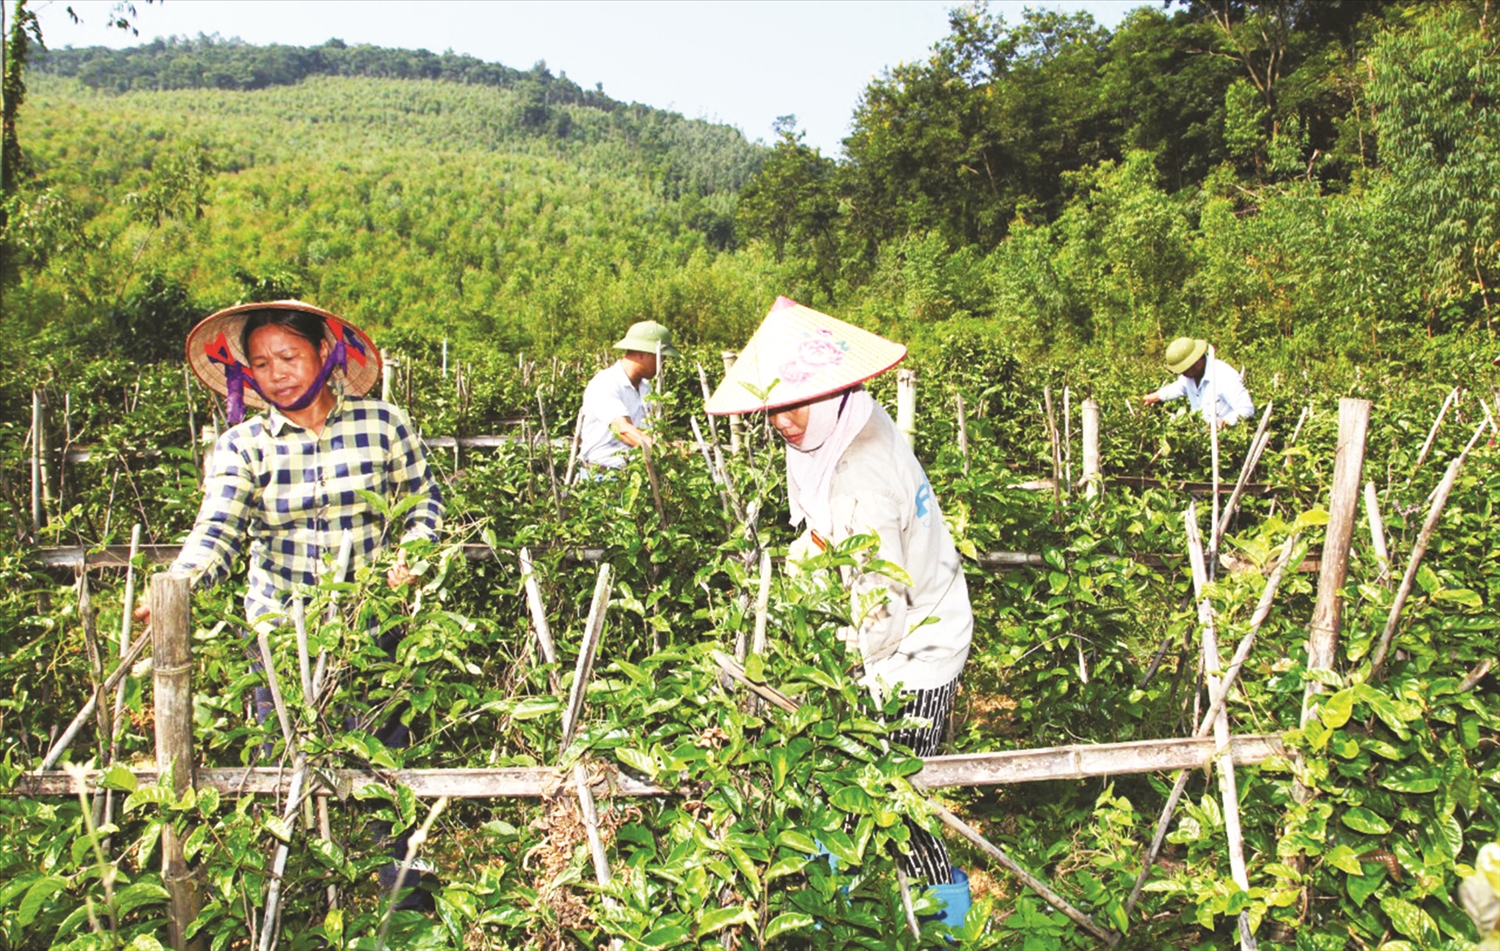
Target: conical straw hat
column 799, row 354
column 216, row 341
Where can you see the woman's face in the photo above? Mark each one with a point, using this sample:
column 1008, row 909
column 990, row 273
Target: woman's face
column 284, row 364
column 791, row 422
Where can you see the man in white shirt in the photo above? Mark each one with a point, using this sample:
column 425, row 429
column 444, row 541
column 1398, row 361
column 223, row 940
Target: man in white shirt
column 1212, row 386
column 614, row 402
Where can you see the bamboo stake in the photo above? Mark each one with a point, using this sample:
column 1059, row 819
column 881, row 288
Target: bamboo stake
column 1205, row 724
column 1377, row 534
column 539, row 618
column 263, row 639
column 96, row 659
column 963, row 434
column 1434, row 513
column 414, row 842
column 304, row 654
column 1475, row 676
column 36, row 461
column 87, row 710
column 592, row 632
column 1091, row 470
column 1068, row 438
column 575, row 446
column 1228, row 793
column 270, row 923
column 730, row 357
column 661, row 511
column 530, row 462
column 1056, row 450
column 713, row 472
column 1213, row 440
column 127, row 611
column 713, row 426
column 1432, row 433
column 387, row 375
column 172, row 696
column 340, row 570
column 1258, row 444
column 762, row 603
column 1343, row 497
column 906, row 905
column 906, row 405
column 1302, row 418
column 44, row 450
column 734, row 670
column 547, row 454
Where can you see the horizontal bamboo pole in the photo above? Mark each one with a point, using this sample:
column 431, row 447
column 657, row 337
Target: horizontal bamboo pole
column 118, row 556
column 521, row 782
column 1150, row 482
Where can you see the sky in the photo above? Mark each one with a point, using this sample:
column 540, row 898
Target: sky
column 734, row 61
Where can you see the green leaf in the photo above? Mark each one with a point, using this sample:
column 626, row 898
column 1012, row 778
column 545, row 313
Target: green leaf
column 840, row 846
column 278, row 828
column 1343, row 858
column 787, row 921
column 803, row 843
column 790, row 865
column 533, row 707
column 138, row 896
column 1412, row 779
column 721, row 918
column 667, row 937
column 1363, row 820
column 1428, row 579
column 155, row 795
column 638, row 761
column 1336, row 709
column 1410, row 920
column 37, row 896
column 852, row 799
column 119, row 778
column 755, row 668
column 1362, row 887
column 1463, row 596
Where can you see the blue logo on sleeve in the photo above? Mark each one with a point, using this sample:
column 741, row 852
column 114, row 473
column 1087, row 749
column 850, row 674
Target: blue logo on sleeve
column 924, row 502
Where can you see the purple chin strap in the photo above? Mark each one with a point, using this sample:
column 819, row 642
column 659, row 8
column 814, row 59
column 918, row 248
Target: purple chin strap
column 236, row 375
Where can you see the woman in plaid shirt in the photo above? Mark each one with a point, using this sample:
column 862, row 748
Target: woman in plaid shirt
column 285, row 484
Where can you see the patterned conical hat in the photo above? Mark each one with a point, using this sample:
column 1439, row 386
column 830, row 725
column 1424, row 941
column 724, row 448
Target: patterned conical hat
column 214, row 344
column 799, row 354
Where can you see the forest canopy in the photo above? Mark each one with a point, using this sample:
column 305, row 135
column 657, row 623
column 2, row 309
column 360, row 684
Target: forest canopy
column 1294, row 177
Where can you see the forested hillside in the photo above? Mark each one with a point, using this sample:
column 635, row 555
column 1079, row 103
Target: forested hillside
column 1305, row 179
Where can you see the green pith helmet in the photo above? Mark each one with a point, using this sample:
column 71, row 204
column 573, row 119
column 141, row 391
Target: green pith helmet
column 645, row 336
column 1184, row 352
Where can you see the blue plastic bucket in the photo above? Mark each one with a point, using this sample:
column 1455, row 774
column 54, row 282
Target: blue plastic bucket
column 956, row 900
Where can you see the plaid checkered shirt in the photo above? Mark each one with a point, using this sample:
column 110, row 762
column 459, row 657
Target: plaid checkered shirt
column 291, row 493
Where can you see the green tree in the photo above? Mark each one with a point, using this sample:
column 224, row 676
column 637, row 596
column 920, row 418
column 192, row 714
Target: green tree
column 791, row 204
column 1436, row 89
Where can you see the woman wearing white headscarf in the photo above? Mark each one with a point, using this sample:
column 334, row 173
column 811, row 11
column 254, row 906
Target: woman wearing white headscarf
column 850, row 472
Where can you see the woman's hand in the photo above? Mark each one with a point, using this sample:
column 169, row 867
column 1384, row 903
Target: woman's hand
column 142, row 613
column 399, row 573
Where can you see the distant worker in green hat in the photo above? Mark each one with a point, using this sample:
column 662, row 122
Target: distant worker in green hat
column 1212, row 386
column 614, row 402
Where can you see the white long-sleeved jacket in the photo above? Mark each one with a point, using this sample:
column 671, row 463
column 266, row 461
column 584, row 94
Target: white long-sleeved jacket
column 1233, row 401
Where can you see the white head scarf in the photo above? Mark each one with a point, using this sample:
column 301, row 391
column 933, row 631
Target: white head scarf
column 832, row 424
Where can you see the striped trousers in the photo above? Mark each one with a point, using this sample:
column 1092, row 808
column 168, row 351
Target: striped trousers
column 928, row 860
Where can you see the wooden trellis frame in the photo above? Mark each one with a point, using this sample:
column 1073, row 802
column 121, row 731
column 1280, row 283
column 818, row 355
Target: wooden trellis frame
column 172, row 638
